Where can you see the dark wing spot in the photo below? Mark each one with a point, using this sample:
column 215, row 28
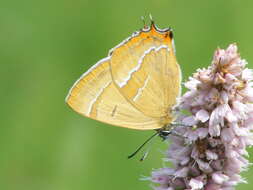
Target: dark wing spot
column 114, row 111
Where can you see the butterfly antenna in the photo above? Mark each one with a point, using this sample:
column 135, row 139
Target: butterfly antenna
column 151, row 19
column 144, row 156
column 144, row 22
column 140, row 147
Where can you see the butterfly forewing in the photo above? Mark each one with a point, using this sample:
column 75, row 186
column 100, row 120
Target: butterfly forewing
column 146, row 73
column 95, row 95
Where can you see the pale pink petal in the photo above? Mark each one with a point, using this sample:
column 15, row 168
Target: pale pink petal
column 177, row 183
column 212, row 95
column 228, row 188
column 204, row 77
column 217, row 116
column 214, row 130
column 218, row 164
column 202, row 115
column 231, row 153
column 190, row 121
column 230, row 78
column 247, row 74
column 219, row 178
column 238, row 130
column 192, row 135
column 214, row 142
column 230, row 116
column 193, row 171
column 227, row 134
column 183, row 172
column 212, row 186
column 211, row 155
column 185, row 160
column 195, row 153
column 162, row 179
column 218, row 79
column 204, row 166
column 196, row 184
column 202, row 132
column 224, row 97
column 163, row 187
column 162, row 176
column 191, row 84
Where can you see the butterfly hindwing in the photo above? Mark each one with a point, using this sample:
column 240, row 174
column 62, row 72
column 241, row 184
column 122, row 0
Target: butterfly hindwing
column 95, row 96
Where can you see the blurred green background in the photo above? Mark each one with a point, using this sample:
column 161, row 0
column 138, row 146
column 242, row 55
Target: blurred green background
column 46, row 45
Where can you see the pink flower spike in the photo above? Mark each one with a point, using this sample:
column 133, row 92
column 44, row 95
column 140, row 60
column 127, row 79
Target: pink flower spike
column 209, row 151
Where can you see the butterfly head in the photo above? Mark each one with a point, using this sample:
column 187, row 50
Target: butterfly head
column 153, row 29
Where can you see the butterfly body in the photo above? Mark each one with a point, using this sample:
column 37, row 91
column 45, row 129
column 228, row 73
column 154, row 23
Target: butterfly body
column 135, row 87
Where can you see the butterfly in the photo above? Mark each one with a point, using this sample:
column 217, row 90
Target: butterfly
column 136, row 86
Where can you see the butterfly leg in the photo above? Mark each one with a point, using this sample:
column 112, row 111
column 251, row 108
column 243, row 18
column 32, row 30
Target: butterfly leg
column 165, row 131
column 164, row 134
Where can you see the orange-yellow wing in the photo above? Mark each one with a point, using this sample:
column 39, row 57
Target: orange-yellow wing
column 145, row 70
column 95, row 96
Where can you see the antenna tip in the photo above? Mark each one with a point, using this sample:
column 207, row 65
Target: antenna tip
column 151, row 18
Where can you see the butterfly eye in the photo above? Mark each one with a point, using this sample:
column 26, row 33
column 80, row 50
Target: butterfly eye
column 171, row 35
